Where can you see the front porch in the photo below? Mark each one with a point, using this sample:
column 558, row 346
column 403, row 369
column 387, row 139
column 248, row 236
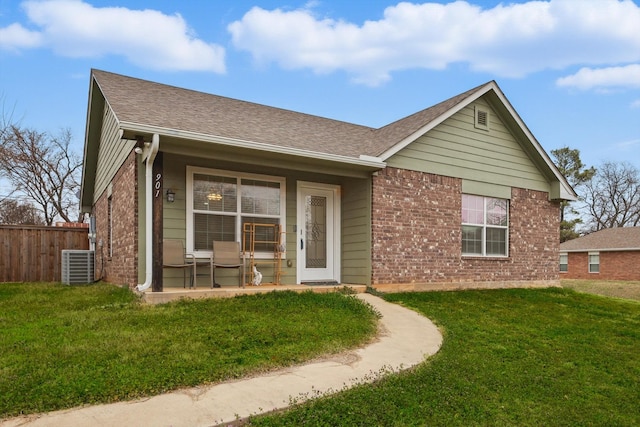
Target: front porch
column 173, row 294
column 324, row 218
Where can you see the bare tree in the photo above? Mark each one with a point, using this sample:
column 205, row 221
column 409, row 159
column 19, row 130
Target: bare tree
column 613, row 197
column 15, row 212
column 43, row 168
column 570, row 165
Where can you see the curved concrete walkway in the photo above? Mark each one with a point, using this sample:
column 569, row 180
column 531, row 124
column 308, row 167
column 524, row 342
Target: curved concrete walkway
column 406, row 339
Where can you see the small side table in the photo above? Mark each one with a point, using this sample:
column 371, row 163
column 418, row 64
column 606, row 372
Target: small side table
column 202, row 262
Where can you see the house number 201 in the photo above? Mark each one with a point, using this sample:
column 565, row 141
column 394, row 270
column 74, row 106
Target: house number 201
column 157, row 185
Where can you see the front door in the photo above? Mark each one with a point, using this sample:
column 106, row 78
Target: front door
column 318, row 232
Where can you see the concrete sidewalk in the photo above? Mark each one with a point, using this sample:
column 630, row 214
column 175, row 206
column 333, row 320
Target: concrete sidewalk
column 406, row 339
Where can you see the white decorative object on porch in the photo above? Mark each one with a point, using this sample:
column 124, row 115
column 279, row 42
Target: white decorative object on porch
column 257, row 277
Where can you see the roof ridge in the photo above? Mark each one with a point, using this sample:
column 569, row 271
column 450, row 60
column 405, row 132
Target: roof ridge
column 229, row 99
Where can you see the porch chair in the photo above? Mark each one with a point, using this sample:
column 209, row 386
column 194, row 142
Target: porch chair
column 227, row 255
column 174, row 256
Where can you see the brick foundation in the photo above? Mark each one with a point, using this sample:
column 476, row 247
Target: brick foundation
column 121, row 266
column 416, row 234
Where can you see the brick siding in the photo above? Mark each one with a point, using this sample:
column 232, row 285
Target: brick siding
column 121, row 267
column 416, row 234
column 619, row 265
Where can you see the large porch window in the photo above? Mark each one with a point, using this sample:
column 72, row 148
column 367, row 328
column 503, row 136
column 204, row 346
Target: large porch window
column 219, row 203
column 485, row 224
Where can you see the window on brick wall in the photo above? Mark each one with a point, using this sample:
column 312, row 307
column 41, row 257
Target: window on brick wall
column 594, row 262
column 564, row 263
column 485, row 226
column 219, row 203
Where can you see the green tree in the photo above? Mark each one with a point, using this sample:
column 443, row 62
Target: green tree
column 570, row 165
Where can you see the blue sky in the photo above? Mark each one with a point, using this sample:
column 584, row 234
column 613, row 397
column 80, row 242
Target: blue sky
column 570, row 68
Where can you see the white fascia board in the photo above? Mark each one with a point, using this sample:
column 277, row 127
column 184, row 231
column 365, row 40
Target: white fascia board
column 411, row 138
column 566, row 192
column 432, row 124
column 367, row 161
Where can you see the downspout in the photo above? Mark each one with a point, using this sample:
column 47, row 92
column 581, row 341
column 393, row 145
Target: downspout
column 151, row 156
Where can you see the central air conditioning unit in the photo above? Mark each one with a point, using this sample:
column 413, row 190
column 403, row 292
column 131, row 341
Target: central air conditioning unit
column 77, row 267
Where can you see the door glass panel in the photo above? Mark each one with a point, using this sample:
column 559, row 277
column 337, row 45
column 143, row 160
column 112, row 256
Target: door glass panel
column 316, row 235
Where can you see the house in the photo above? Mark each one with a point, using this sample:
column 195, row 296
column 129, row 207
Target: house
column 459, row 194
column 608, row 254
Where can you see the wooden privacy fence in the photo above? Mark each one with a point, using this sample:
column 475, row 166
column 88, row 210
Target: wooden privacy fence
column 34, row 253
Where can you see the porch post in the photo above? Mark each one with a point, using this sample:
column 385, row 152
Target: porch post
column 158, row 194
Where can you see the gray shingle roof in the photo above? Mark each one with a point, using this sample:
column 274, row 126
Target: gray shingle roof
column 154, row 104
column 623, row 238
column 401, row 129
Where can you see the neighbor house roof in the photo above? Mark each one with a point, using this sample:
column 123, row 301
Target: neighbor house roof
column 608, row 239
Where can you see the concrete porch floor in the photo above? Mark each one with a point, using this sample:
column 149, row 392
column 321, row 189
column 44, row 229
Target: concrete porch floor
column 172, row 294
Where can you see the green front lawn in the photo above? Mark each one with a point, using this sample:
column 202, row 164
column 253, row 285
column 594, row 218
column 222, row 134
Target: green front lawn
column 63, row 346
column 509, row 357
column 551, row 357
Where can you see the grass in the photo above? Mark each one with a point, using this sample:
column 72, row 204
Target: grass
column 65, row 346
column 550, row 357
column 609, row 288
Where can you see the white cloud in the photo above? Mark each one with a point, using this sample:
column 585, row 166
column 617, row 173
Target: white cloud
column 603, row 78
column 635, row 104
column 16, row 37
column 147, row 38
column 631, row 145
column 508, row 40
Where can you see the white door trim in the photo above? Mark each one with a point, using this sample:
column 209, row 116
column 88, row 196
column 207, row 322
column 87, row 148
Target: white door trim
column 335, row 251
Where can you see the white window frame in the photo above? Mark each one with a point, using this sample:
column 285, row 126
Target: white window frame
column 564, row 256
column 484, row 229
column 589, row 263
column 239, row 176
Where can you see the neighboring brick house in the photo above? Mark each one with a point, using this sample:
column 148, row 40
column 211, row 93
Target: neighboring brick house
column 460, row 194
column 608, row 254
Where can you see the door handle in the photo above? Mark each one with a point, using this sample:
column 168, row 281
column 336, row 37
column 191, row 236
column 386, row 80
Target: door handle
column 301, row 244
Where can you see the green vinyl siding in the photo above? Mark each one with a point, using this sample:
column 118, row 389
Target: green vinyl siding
column 458, row 149
column 174, row 214
column 486, row 189
column 112, row 153
column 356, row 231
